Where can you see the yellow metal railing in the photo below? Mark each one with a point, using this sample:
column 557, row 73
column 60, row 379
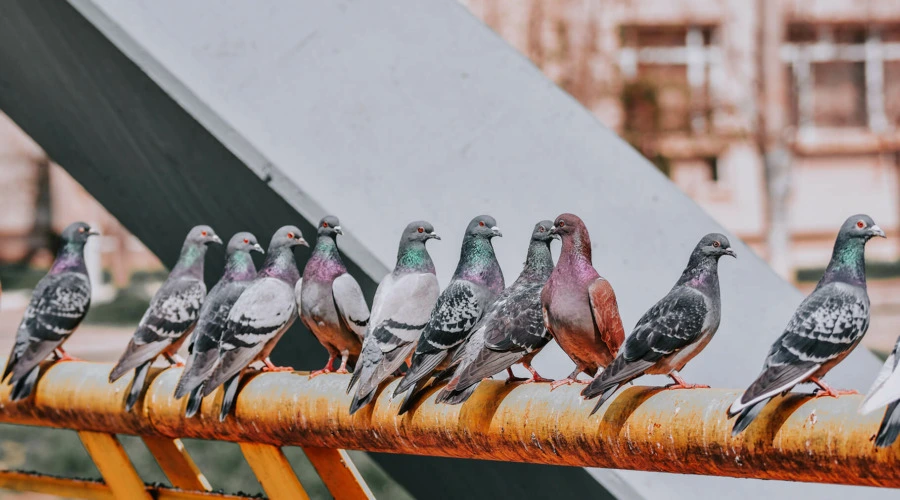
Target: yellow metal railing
column 797, row 437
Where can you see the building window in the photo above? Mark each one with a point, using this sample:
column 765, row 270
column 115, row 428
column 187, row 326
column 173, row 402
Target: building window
column 844, row 76
column 667, row 72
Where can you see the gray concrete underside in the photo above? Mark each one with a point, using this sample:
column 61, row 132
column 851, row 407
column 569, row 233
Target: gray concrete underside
column 251, row 115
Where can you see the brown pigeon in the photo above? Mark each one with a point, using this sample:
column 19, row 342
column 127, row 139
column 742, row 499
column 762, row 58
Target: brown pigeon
column 579, row 305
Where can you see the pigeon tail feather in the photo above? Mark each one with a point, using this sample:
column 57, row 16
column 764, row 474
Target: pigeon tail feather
column 229, row 396
column 193, row 404
column 747, row 416
column 421, row 368
column 605, row 397
column 23, row 387
column 890, row 426
column 456, row 396
column 137, row 385
column 412, row 396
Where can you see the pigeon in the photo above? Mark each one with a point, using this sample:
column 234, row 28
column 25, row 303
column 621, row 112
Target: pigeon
column 239, row 272
column 259, row 317
column 477, row 282
column 886, row 391
column 400, row 310
column 58, row 304
column 826, row 327
column 675, row 329
column 171, row 316
column 331, row 302
column 579, row 306
column 512, row 330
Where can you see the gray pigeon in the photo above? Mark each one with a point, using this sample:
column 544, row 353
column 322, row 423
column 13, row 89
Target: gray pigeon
column 477, row 282
column 58, row 304
column 259, row 317
column 886, row 391
column 171, row 316
column 204, row 351
column 401, row 307
column 675, row 329
column 512, row 330
column 331, row 302
column 826, row 327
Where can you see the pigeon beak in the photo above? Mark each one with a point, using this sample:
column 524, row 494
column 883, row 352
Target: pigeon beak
column 257, row 248
column 496, row 231
column 730, row 252
column 215, row 239
column 554, row 231
column 876, row 231
column 338, row 230
column 301, row 241
column 434, row 235
column 92, row 232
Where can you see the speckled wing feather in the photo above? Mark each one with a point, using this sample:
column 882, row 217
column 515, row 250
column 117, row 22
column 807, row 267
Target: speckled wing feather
column 58, row 304
column 826, row 326
column 456, row 312
column 673, row 323
column 606, row 314
column 172, row 313
column 351, row 304
column 264, row 311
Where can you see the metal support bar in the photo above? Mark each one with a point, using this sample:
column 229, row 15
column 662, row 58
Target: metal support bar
column 114, row 465
column 273, row 471
column 176, row 464
column 91, row 490
column 338, row 473
column 796, row 438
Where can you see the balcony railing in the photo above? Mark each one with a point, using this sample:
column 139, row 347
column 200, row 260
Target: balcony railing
column 797, row 437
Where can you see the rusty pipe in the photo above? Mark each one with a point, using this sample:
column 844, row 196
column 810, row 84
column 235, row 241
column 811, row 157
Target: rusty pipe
column 796, row 438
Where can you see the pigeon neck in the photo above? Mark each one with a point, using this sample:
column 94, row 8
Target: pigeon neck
column 575, row 247
column 414, row 257
column 702, row 272
column 539, row 262
column 325, row 263
column 239, row 267
column 280, row 264
column 477, row 263
column 70, row 258
column 848, row 262
column 190, row 262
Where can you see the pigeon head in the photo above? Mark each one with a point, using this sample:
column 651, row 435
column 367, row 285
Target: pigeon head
column 329, row 226
column 287, row 237
column 860, row 226
column 483, row 226
column 77, row 233
column 714, row 245
column 419, row 230
column 568, row 224
column 543, row 231
column 243, row 242
column 202, row 235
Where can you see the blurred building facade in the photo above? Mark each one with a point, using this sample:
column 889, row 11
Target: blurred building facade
column 38, row 199
column 681, row 81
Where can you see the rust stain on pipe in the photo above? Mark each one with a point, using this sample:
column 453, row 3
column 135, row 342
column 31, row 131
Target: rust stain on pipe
column 797, row 438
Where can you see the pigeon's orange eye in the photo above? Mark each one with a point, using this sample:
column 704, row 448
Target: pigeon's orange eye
column 860, row 224
column 80, row 229
column 202, row 233
column 716, row 244
column 291, row 235
column 324, row 224
column 561, row 223
column 541, row 229
column 246, row 241
column 421, row 229
column 481, row 223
